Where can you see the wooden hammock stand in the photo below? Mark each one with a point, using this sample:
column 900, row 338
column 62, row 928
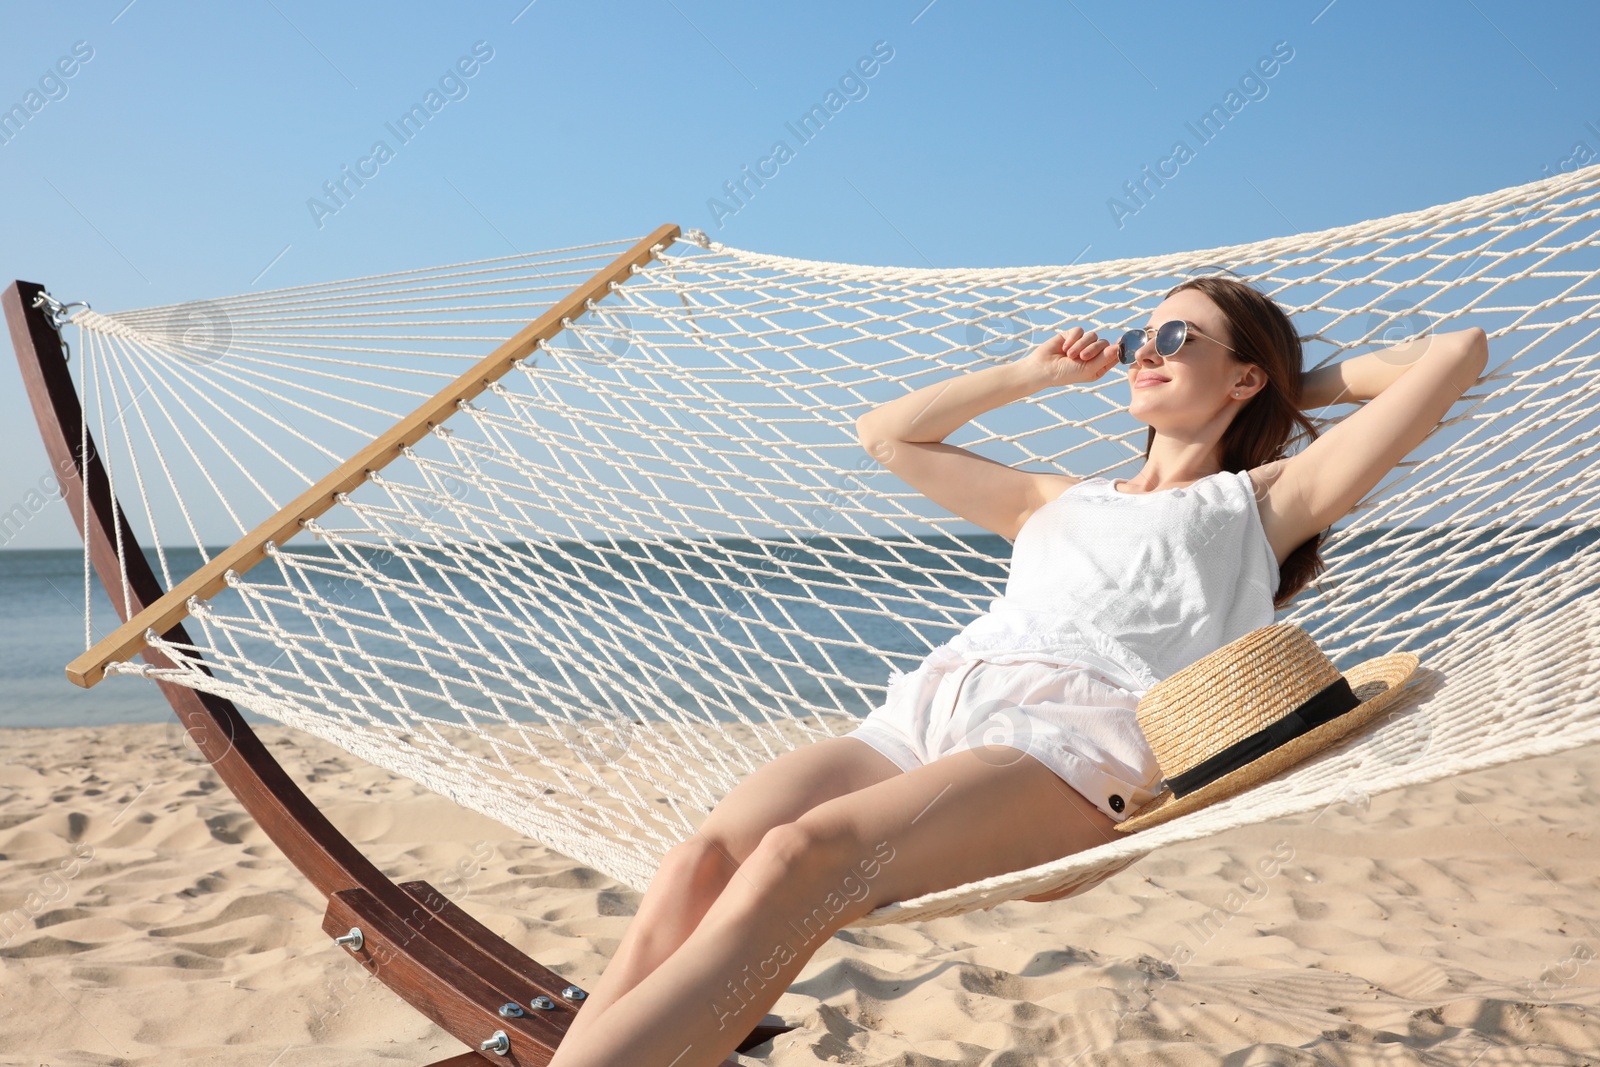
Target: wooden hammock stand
column 437, row 957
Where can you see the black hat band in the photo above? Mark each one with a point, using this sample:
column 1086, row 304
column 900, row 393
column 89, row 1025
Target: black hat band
column 1327, row 704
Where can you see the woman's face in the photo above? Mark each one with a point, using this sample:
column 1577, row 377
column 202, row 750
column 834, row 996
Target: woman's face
column 1200, row 379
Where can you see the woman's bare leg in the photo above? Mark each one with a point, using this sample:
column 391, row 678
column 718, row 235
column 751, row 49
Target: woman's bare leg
column 695, row 872
column 963, row 817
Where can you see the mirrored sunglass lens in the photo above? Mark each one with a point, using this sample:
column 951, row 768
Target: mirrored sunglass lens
column 1131, row 342
column 1170, row 337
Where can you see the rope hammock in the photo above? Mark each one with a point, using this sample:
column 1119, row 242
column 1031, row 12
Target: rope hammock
column 648, row 554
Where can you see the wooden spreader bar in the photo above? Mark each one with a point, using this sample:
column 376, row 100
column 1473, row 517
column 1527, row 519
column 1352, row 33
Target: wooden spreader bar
column 173, row 605
column 416, row 941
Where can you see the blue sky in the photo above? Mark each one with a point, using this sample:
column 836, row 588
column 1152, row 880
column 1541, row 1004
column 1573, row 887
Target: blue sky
column 182, row 157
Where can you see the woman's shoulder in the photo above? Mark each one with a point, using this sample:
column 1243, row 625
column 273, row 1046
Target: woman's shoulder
column 1263, row 477
column 1048, row 488
column 1053, row 486
column 1262, row 480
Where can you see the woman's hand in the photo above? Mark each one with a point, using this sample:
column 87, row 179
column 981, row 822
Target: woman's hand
column 1070, row 358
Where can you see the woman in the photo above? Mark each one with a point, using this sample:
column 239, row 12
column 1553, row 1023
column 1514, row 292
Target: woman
column 915, row 800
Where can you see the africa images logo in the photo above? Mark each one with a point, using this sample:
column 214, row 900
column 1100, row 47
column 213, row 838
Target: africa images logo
column 451, row 86
column 852, row 85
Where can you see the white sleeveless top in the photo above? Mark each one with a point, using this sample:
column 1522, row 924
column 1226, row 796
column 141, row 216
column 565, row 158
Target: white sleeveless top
column 1134, row 585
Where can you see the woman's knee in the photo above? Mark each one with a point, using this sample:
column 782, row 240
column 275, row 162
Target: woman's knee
column 701, row 864
column 798, row 852
column 811, row 868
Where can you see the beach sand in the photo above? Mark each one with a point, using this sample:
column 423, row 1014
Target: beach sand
column 147, row 920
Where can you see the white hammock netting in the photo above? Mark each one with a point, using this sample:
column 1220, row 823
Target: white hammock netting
column 653, row 555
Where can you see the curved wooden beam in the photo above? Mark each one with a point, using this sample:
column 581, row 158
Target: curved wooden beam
column 173, row 605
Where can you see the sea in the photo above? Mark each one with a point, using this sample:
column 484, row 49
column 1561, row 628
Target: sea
column 42, row 614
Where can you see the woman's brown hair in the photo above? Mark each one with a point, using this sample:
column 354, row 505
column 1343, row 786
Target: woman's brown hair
column 1262, row 429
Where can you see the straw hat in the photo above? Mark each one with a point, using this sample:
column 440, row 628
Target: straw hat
column 1252, row 708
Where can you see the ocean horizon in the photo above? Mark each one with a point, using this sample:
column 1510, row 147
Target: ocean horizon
column 42, row 620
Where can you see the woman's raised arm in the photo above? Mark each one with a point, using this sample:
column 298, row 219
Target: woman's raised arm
column 1412, row 387
column 906, row 435
column 1360, row 378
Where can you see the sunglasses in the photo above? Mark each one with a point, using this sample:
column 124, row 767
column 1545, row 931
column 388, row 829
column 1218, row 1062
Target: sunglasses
column 1170, row 336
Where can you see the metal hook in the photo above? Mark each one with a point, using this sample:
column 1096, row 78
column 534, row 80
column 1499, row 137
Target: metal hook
column 57, row 312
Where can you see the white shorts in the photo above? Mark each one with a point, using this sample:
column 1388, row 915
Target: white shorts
column 1073, row 719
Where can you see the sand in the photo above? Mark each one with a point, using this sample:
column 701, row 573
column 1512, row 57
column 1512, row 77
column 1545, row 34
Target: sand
column 145, row 919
